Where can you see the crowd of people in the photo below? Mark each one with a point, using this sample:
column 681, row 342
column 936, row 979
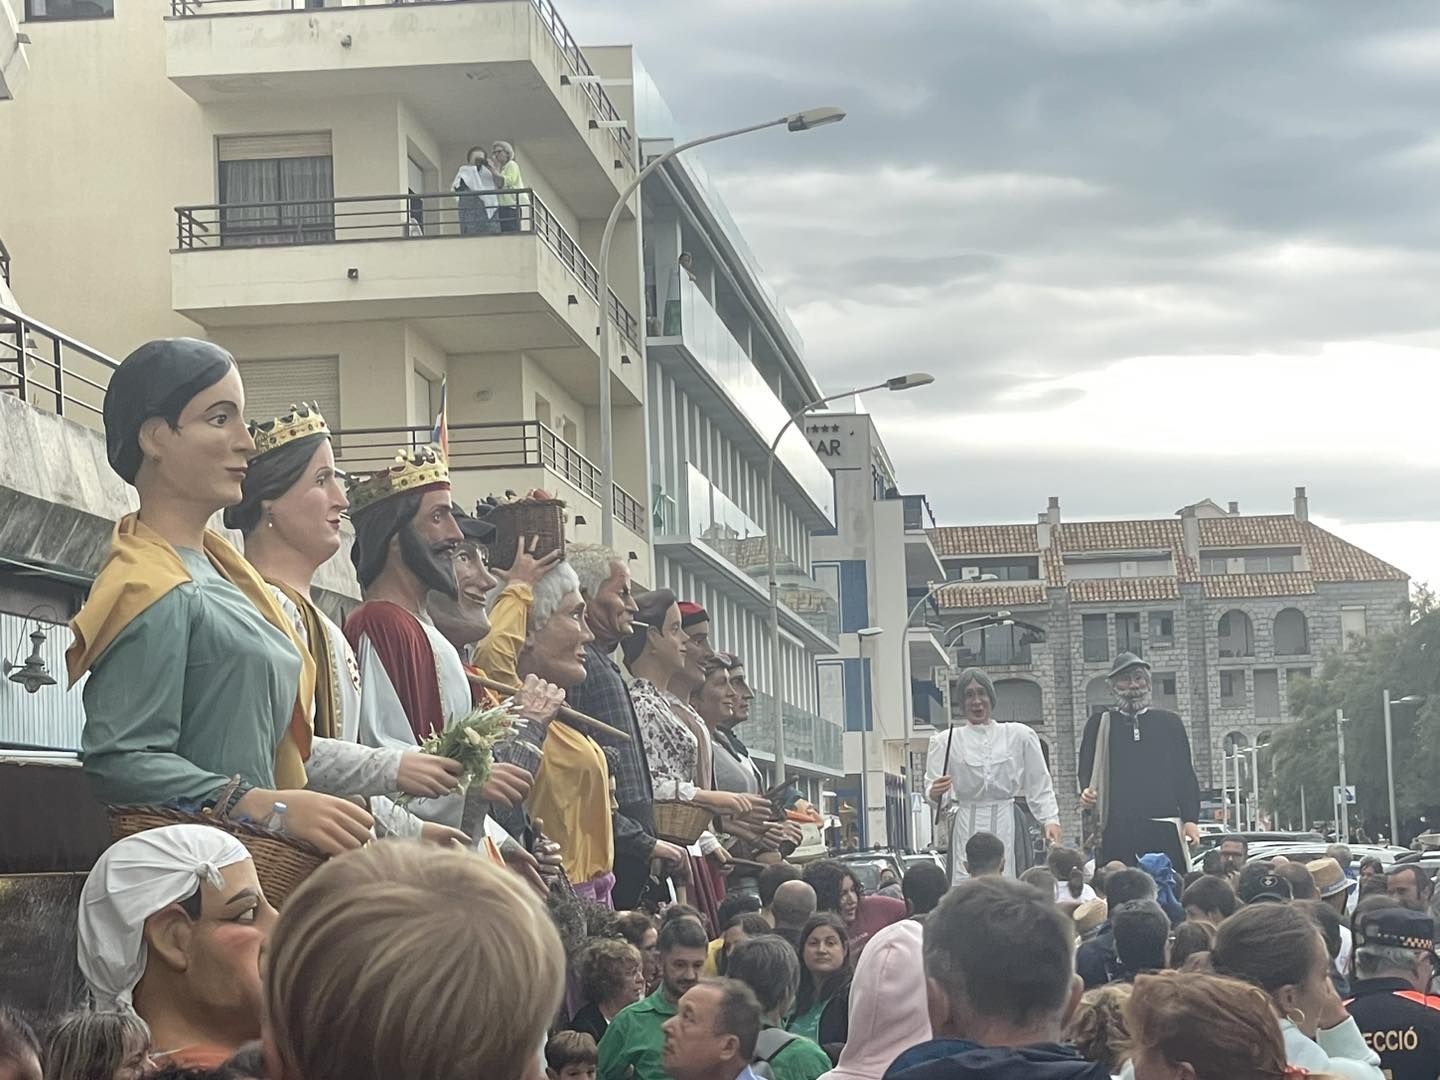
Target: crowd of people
column 540, row 919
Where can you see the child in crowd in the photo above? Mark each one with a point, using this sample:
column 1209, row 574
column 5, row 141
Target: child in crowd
column 571, row 1055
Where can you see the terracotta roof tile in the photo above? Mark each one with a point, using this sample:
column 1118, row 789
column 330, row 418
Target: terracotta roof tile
column 991, row 595
column 1236, row 586
column 953, row 540
column 1228, row 532
column 1124, row 590
column 1333, row 559
column 1077, row 536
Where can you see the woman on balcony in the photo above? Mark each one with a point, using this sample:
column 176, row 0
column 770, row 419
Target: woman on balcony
column 289, row 516
column 506, row 171
column 199, row 692
column 975, row 771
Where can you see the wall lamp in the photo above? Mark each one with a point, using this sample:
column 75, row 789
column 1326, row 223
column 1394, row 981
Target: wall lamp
column 33, row 673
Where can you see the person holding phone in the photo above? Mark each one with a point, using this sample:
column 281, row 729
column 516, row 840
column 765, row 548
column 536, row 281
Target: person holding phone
column 477, row 211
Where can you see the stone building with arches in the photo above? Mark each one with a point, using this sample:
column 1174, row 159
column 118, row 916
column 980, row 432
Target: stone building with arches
column 1230, row 609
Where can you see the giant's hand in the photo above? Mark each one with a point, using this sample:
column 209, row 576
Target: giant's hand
column 426, row 776
column 1053, row 835
column 332, row 824
column 508, row 784
column 941, row 785
column 1088, row 798
column 537, row 702
column 1192, row 833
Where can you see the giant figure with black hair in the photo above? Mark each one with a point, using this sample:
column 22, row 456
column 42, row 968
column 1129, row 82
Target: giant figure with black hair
column 199, row 692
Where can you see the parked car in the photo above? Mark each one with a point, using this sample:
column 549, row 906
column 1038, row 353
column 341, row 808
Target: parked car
column 1310, row 851
column 866, row 866
column 934, row 858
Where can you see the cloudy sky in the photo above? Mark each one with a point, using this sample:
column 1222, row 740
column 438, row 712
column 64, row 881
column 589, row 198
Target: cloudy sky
column 1153, row 250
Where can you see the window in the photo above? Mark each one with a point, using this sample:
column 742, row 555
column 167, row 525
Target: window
column 272, row 386
column 1009, row 569
column 1267, row 694
column 1232, row 688
column 1127, row 633
column 37, row 10
column 1162, row 629
column 276, row 189
column 1095, row 638
column 1236, row 634
column 1163, row 685
column 1269, row 564
column 1352, row 627
column 995, row 646
column 1210, row 565
column 1019, row 701
column 1292, row 635
column 1098, row 695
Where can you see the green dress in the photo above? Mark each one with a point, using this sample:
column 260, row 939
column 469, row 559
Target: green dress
column 808, row 1022
column 196, row 689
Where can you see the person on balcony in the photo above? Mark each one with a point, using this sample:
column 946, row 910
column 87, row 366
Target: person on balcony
column 506, row 172
column 289, row 516
column 677, row 746
column 477, row 210
column 412, row 679
column 975, row 771
column 200, row 693
column 1136, row 774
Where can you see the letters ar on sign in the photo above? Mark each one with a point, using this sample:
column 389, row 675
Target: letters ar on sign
column 1345, row 794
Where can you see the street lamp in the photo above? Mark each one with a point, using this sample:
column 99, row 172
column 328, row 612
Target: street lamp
column 801, row 121
column 1408, row 699
column 772, row 515
column 866, row 634
column 1343, row 815
column 1254, row 752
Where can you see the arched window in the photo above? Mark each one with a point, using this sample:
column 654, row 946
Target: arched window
column 1292, row 633
column 1020, row 701
column 1098, row 695
column 1235, row 634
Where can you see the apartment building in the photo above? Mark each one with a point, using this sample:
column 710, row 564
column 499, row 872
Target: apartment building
column 1229, row 608
column 870, row 683
column 725, row 370
column 276, row 175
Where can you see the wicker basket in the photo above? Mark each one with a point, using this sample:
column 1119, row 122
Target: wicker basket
column 519, row 521
column 282, row 863
column 680, row 822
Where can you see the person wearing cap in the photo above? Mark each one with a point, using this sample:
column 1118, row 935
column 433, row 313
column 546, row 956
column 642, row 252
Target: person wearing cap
column 289, row 516
column 1136, row 773
column 199, row 692
column 1395, row 968
column 413, row 681
column 1260, row 884
column 975, row 771
column 170, row 925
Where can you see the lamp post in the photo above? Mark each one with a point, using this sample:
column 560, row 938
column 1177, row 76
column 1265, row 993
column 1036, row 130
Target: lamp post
column 801, row 121
column 1254, row 752
column 772, row 515
column 866, row 634
column 1408, row 699
column 1344, row 814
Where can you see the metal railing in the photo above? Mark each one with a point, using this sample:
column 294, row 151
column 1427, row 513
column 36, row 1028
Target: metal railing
column 505, row 445
column 4, row 262
column 549, row 18
column 365, row 218
column 49, row 370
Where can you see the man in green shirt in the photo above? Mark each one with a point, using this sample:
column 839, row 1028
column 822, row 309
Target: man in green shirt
column 634, row 1043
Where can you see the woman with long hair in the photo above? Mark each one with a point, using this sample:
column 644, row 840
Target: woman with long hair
column 1203, row 1027
column 1098, row 1030
column 822, row 1003
column 200, row 693
column 1278, row 948
column 99, row 1045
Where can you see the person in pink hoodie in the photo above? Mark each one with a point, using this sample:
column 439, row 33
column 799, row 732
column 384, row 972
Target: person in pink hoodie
column 888, row 1014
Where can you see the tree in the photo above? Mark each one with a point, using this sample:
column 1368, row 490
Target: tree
column 1304, row 753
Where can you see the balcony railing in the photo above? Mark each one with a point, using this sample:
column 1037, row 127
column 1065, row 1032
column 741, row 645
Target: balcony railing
column 512, row 445
column 45, row 368
column 4, row 262
column 367, row 218
column 808, row 737
column 549, row 18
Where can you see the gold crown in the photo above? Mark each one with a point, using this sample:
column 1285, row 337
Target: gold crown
column 300, row 422
column 413, row 469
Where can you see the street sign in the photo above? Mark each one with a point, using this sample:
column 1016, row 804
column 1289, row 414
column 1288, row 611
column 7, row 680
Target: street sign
column 1348, row 796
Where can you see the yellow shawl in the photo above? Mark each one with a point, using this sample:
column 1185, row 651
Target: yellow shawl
column 141, row 569
column 571, row 796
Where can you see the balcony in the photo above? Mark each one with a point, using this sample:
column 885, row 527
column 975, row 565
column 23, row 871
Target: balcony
column 424, row 258
column 490, row 459
column 707, row 362
column 811, row 740
column 706, row 531
column 50, row 371
column 922, row 561
column 512, row 63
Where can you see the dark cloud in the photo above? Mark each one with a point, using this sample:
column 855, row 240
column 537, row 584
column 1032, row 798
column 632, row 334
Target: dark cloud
column 1030, row 189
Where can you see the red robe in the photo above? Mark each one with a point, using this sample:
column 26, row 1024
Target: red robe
column 403, row 648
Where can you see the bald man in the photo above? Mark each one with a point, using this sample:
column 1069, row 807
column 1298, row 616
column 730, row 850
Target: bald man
column 793, row 906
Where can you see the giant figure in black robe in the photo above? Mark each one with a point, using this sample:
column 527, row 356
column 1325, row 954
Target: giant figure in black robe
column 1149, row 775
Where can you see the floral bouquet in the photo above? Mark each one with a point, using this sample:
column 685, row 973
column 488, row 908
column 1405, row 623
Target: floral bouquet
column 471, row 741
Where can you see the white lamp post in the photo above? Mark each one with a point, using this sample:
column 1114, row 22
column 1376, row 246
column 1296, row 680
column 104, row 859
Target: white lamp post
column 772, row 516
column 1408, row 699
column 866, row 635
column 801, row 121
